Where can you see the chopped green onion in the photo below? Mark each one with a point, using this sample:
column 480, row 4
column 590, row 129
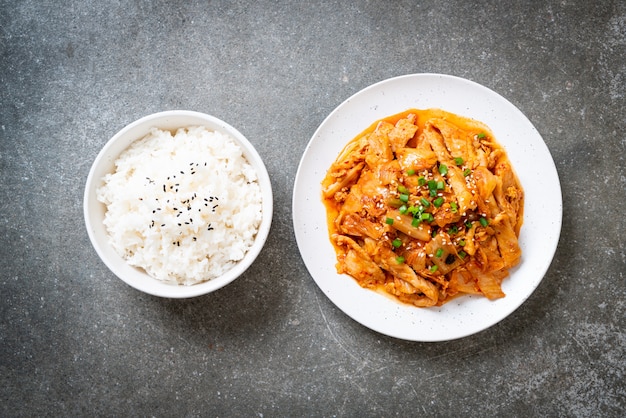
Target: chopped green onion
column 481, row 135
column 404, row 197
column 403, row 189
column 462, row 254
column 425, row 202
column 389, row 221
column 396, row 242
column 458, row 161
column 399, row 259
column 439, row 252
column 421, row 181
column 434, row 233
column 468, row 225
column 453, row 229
column 454, row 207
column 433, row 268
column 467, row 172
column 410, row 172
column 443, row 169
column 483, row 221
column 416, row 222
column 432, row 188
column 427, row 217
column 440, row 185
column 403, row 209
column 414, row 210
column 462, row 243
column 438, row 202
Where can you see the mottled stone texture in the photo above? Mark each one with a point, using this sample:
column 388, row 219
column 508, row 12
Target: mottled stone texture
column 76, row 341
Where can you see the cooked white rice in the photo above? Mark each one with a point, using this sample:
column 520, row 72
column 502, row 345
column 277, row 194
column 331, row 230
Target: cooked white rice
column 185, row 208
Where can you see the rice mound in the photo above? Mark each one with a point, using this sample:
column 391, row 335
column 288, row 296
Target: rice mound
column 184, row 207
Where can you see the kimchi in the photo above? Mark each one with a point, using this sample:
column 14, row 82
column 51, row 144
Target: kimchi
column 425, row 206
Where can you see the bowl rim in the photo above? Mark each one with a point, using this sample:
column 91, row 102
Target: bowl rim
column 93, row 210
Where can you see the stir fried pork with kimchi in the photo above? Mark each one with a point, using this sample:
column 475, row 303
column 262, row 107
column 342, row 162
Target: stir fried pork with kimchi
column 425, row 206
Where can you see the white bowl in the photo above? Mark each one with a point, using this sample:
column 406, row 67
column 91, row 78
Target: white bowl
column 94, row 210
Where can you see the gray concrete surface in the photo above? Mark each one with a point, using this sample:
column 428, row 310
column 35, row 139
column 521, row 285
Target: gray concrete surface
column 76, row 341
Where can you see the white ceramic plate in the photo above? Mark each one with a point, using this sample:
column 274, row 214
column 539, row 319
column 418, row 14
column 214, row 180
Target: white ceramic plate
column 529, row 155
